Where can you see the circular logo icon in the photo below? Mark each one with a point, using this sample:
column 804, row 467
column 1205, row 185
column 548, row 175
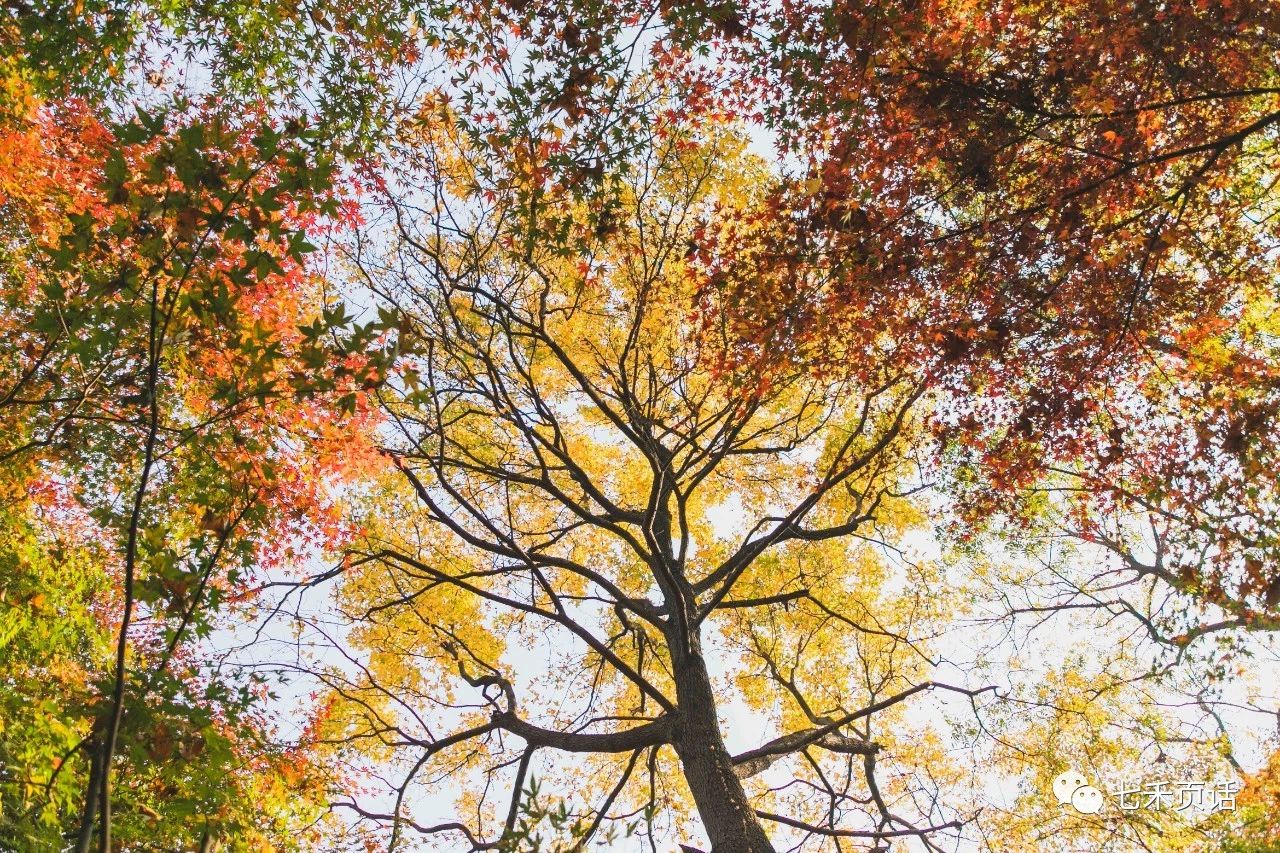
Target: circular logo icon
column 1066, row 784
column 1087, row 799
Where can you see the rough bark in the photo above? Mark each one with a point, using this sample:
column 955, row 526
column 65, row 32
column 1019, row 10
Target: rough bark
column 727, row 816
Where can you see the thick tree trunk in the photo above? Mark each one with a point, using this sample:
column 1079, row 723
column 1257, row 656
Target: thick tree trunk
column 726, row 813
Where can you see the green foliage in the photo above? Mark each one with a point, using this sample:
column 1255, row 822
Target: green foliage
column 50, row 646
column 329, row 60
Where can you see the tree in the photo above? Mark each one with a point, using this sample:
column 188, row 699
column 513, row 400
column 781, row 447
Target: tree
column 155, row 396
column 571, row 454
column 714, row 498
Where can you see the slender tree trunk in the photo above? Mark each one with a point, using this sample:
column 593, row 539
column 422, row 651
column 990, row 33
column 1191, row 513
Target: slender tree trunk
column 100, row 785
column 726, row 812
column 93, row 792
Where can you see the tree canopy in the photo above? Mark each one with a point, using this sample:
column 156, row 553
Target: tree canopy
column 729, row 427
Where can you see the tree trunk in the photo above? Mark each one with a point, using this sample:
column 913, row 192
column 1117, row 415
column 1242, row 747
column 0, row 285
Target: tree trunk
column 726, row 813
